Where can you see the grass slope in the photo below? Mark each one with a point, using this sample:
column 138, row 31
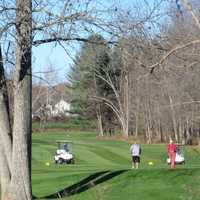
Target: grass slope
column 109, row 157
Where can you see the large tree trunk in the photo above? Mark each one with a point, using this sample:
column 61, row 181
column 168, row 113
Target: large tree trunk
column 15, row 151
column 21, row 158
column 5, row 134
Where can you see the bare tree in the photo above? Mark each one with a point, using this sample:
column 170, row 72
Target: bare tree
column 16, row 147
column 24, row 25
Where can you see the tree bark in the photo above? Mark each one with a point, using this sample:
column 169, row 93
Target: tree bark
column 21, row 159
column 15, row 151
column 4, row 173
column 173, row 118
column 99, row 118
column 5, row 134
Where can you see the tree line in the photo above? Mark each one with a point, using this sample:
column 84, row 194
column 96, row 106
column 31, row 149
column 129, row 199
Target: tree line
column 147, row 84
column 144, row 78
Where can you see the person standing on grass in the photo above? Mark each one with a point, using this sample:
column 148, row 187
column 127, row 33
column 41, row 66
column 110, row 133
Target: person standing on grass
column 171, row 150
column 135, row 153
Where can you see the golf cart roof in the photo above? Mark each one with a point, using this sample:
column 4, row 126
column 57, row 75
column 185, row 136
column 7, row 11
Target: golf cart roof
column 63, row 141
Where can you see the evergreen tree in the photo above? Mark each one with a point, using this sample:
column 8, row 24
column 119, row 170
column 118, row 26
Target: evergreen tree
column 83, row 77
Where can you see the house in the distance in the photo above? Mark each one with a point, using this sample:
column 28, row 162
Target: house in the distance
column 50, row 102
column 61, row 107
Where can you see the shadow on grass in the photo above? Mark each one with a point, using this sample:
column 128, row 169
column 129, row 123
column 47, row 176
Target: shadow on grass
column 85, row 184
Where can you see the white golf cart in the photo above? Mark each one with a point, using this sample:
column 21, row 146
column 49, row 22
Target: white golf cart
column 180, row 159
column 64, row 153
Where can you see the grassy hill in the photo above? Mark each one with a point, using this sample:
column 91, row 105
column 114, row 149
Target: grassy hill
column 103, row 171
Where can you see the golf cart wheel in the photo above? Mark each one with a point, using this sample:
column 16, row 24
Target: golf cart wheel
column 60, row 161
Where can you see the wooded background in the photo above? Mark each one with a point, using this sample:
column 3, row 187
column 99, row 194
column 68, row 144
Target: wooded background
column 136, row 72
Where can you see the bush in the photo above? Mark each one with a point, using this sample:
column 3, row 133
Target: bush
column 66, row 123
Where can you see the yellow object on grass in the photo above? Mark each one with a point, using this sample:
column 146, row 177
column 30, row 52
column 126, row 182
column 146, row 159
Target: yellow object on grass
column 151, row 163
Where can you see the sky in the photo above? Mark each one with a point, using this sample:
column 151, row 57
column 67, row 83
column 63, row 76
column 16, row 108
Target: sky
column 54, row 55
column 50, row 55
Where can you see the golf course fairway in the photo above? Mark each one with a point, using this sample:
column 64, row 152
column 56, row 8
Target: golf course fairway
column 102, row 171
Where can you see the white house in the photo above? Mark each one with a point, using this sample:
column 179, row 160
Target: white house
column 61, row 107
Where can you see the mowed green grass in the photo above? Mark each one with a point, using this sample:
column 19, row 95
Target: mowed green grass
column 92, row 155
